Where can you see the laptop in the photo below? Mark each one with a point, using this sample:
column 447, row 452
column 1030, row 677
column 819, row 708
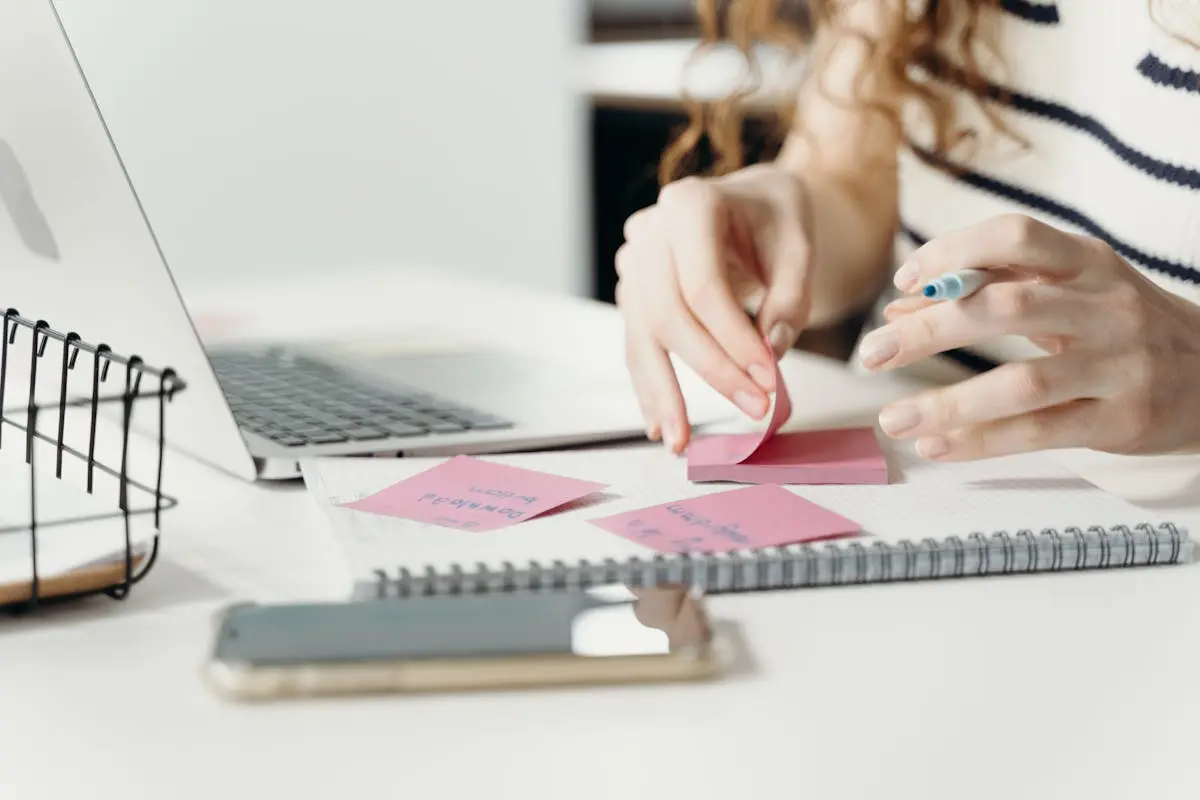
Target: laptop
column 77, row 249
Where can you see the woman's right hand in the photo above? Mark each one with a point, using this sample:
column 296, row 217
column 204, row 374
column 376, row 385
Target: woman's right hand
column 694, row 268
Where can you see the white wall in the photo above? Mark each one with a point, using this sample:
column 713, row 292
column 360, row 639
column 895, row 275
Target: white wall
column 279, row 135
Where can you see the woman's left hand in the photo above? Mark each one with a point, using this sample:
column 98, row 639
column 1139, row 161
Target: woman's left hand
column 1122, row 366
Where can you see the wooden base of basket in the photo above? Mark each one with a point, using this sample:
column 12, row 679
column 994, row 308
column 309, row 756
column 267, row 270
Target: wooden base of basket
column 89, row 579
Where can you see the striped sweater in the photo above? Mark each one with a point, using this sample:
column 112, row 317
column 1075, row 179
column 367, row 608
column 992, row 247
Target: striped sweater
column 1108, row 101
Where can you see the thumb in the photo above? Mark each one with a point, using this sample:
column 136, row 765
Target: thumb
column 785, row 308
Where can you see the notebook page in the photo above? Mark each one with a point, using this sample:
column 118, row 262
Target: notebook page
column 372, row 542
column 924, row 500
column 937, row 500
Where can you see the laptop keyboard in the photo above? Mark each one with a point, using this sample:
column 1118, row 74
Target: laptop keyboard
column 297, row 402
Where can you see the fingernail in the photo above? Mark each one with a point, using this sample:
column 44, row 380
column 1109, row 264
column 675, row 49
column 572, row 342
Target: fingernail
column 764, row 377
column 877, row 349
column 754, row 405
column 933, row 446
column 906, row 277
column 899, row 419
column 782, row 336
column 653, row 432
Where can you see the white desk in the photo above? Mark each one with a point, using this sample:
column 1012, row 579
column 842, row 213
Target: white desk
column 989, row 688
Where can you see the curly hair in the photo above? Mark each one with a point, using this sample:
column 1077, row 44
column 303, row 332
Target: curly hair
column 938, row 35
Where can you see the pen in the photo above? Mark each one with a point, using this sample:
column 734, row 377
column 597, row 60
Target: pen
column 956, row 285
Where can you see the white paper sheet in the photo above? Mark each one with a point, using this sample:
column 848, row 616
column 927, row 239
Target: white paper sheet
column 925, row 500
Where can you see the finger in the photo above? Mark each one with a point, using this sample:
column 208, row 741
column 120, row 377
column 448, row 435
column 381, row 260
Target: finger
column 656, row 299
column 644, row 398
column 786, row 259
column 686, row 337
column 623, row 260
column 1069, row 425
column 658, row 392
column 698, row 226
column 1009, row 390
column 746, row 283
column 633, row 365
column 1024, row 308
column 1009, row 241
column 908, row 304
column 905, row 306
column 638, row 224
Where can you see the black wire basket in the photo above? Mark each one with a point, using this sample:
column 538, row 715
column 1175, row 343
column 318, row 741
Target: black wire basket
column 67, row 412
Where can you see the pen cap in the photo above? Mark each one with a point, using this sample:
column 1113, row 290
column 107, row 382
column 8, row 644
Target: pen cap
column 955, row 285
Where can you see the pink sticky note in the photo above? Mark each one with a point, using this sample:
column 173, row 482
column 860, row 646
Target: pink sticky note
column 844, row 456
column 740, row 519
column 734, row 448
column 840, row 456
column 475, row 495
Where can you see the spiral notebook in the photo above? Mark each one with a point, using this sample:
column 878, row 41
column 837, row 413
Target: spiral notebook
column 1008, row 515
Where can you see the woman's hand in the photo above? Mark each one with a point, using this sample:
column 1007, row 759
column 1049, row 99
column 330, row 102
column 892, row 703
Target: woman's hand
column 1122, row 366
column 692, row 267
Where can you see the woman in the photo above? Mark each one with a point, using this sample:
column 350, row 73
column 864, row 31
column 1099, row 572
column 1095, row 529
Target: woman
column 1056, row 145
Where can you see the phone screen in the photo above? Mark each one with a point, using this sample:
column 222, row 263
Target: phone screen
column 612, row 621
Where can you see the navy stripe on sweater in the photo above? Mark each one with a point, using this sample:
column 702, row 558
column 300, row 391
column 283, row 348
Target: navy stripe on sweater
column 1034, row 12
column 1156, row 71
column 1171, row 173
column 917, row 240
column 1053, row 208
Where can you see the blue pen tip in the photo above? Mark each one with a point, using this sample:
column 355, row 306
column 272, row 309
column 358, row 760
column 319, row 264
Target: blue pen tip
column 930, row 290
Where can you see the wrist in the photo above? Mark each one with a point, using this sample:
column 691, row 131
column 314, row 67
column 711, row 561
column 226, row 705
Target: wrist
column 853, row 238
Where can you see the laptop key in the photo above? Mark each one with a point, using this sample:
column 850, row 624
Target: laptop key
column 479, row 417
column 394, row 416
column 328, row 437
column 365, row 434
column 401, row 429
column 308, row 433
column 441, row 425
column 351, row 412
column 413, row 417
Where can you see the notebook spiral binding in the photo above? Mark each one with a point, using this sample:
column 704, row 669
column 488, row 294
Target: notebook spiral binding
column 26, row 371
column 807, row 565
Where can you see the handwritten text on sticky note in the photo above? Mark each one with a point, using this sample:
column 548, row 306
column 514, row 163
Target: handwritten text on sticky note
column 470, row 494
column 758, row 516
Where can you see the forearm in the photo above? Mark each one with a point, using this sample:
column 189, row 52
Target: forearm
column 844, row 148
column 853, row 228
column 851, row 225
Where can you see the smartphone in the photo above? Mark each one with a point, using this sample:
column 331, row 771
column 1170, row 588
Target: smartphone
column 462, row 642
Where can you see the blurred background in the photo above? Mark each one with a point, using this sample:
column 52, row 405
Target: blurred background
column 505, row 139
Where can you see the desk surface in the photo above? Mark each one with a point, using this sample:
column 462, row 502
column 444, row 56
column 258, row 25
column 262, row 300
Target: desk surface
column 1051, row 686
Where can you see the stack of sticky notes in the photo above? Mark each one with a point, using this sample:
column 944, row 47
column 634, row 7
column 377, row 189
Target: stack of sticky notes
column 839, row 456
